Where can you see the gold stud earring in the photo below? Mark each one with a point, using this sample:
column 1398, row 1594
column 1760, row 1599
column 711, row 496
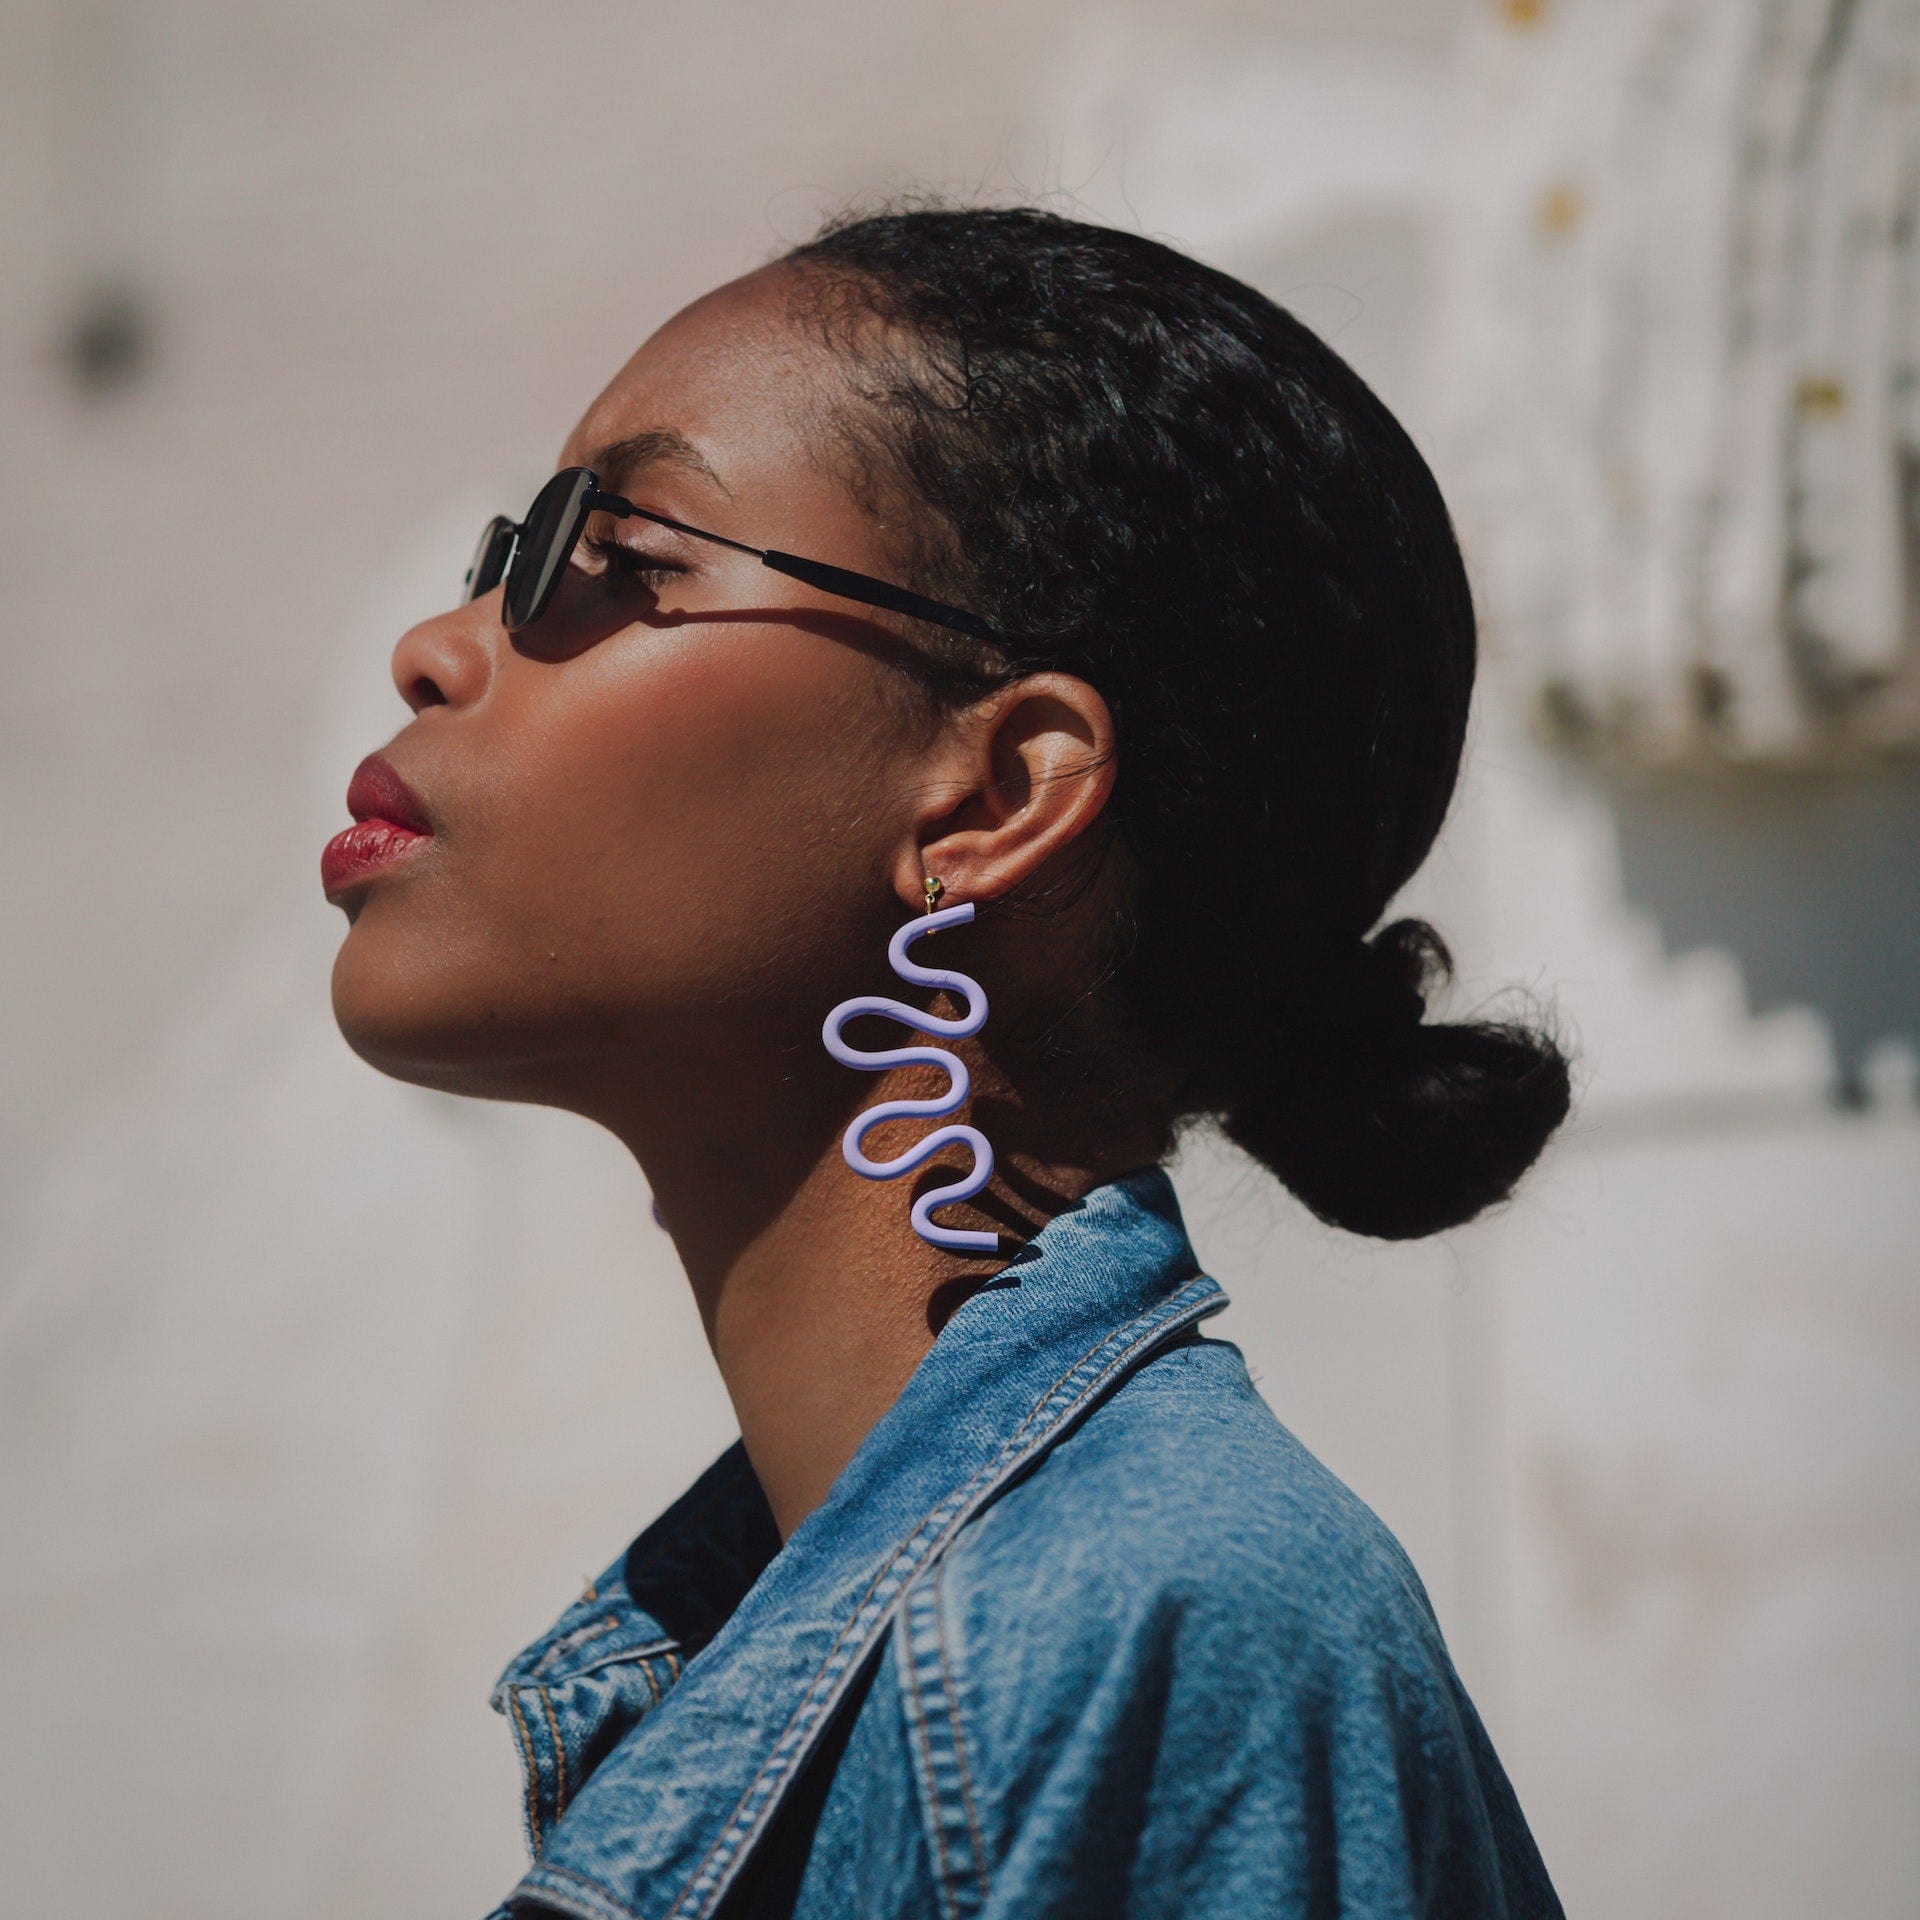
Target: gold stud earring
column 934, row 888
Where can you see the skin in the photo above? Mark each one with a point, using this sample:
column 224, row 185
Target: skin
column 676, row 822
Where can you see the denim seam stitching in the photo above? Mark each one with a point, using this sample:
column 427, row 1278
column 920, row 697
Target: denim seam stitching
column 559, row 1755
column 955, row 1825
column 952, row 1696
column 532, row 1767
column 611, row 1657
column 709, row 1879
column 917, row 1718
column 604, row 1898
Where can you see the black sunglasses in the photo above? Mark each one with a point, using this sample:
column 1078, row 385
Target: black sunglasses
column 531, row 555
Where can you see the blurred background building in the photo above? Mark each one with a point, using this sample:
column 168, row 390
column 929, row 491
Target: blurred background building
column 292, row 1358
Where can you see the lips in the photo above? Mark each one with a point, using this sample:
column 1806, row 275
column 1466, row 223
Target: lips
column 389, row 821
column 376, row 792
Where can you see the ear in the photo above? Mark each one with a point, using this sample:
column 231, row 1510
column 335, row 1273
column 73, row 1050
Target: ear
column 1015, row 779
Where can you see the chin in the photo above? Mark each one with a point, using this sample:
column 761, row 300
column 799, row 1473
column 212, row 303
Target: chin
column 424, row 1020
column 398, row 1019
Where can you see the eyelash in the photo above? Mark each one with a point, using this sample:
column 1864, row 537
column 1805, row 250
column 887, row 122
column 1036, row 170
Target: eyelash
column 629, row 563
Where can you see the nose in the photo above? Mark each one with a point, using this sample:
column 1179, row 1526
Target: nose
column 448, row 660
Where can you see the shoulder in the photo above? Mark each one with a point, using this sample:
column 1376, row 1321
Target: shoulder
column 1180, row 1572
column 1181, row 1663
column 1183, row 1508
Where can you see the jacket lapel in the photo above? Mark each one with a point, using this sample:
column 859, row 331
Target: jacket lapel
column 667, row 1819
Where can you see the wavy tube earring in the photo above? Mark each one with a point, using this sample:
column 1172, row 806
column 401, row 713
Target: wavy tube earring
column 956, row 1239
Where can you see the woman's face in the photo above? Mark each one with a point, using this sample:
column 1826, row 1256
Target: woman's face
column 665, row 814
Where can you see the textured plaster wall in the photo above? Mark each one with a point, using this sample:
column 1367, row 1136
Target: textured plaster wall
column 293, row 1360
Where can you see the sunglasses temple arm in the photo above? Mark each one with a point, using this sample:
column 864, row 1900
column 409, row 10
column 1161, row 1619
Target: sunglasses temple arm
column 875, row 593
column 816, row 573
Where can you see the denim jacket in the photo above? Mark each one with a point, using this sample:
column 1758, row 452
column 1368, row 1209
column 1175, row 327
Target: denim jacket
column 1080, row 1630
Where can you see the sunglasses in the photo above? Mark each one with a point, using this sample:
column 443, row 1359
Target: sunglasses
column 531, row 555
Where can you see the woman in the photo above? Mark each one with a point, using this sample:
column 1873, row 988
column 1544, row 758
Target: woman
column 1032, row 581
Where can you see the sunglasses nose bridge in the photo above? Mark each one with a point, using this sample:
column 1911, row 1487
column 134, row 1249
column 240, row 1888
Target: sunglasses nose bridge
column 491, row 557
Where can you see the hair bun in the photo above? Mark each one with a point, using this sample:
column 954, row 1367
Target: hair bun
column 1387, row 992
column 1386, row 1125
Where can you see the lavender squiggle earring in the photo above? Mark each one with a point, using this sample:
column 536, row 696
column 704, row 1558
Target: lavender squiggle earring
column 956, row 1239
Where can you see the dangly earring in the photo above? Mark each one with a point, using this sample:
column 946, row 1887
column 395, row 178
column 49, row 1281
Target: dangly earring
column 957, row 1239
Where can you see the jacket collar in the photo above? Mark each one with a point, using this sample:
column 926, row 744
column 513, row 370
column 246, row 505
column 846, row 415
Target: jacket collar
column 771, row 1638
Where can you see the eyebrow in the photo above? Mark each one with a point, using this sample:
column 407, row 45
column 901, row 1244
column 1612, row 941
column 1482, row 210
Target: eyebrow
column 619, row 460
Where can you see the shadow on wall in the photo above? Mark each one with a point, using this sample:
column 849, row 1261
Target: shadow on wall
column 1811, row 881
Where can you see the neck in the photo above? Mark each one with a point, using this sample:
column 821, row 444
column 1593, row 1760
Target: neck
column 818, row 1298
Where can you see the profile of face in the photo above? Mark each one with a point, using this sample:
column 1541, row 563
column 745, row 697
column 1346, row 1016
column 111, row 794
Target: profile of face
column 675, row 819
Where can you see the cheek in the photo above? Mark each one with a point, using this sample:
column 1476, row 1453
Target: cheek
column 673, row 822
column 713, row 793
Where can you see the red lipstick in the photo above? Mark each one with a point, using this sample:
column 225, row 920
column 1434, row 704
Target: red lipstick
column 390, row 821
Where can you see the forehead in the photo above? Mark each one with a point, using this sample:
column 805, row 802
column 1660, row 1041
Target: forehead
column 736, row 375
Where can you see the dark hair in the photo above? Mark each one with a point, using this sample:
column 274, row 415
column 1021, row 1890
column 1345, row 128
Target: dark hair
column 1151, row 475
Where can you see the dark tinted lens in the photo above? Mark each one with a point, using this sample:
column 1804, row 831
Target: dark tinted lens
column 547, row 535
column 490, row 557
